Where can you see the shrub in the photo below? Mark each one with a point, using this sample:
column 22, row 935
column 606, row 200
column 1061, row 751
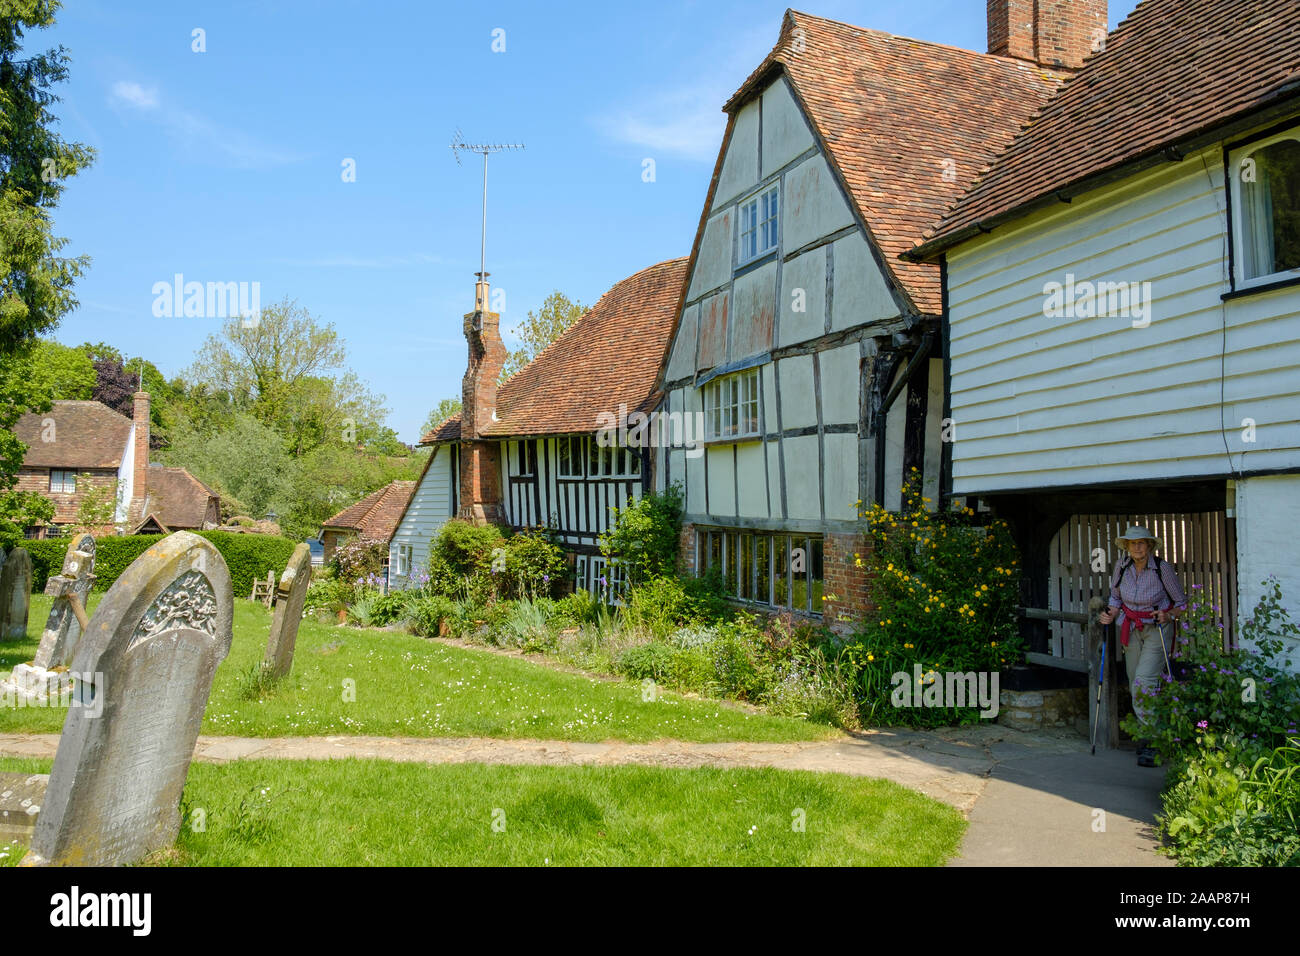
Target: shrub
column 574, row 610
column 248, row 557
column 645, row 536
column 1221, row 811
column 393, row 607
column 325, row 597
column 945, row 591
column 665, row 603
column 359, row 564
column 1243, row 694
column 534, row 565
column 428, row 612
column 361, row 611
column 651, row 661
column 462, row 549
column 525, row 626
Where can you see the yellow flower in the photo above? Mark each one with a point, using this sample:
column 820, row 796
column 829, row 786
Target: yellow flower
column 993, row 643
column 871, row 657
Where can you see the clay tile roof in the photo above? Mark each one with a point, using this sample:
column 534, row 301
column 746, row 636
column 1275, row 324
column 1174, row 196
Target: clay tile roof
column 376, row 515
column 85, row 435
column 1172, row 70
column 897, row 114
column 609, row 357
column 178, row 499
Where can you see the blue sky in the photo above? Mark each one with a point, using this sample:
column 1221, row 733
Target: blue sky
column 225, row 165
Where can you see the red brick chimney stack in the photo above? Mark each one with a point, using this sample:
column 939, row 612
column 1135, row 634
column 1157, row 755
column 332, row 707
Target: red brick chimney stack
column 1057, row 34
column 140, row 470
column 480, row 483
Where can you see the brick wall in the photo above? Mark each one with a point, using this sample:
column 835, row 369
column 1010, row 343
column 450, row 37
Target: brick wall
column 480, row 483
column 1055, row 33
column 686, row 550
column 66, row 505
column 845, row 584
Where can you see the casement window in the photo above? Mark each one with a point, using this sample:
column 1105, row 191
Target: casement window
column 773, row 569
column 603, row 579
column 405, row 556
column 581, row 457
column 1265, row 184
column 63, row 482
column 527, row 459
column 731, row 407
column 759, row 224
column 571, row 455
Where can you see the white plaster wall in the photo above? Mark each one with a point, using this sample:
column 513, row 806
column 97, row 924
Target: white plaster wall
column 785, row 132
column 839, row 374
column 861, row 294
column 806, row 272
column 722, row 487
column 841, row 476
column 682, row 363
column 798, row 399
column 751, row 471
column 713, row 261
column 814, row 205
column 740, row 167
column 803, row 478
column 1268, row 514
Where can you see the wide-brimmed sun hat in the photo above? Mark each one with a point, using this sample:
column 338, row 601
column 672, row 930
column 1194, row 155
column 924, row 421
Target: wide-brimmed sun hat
column 1137, row 533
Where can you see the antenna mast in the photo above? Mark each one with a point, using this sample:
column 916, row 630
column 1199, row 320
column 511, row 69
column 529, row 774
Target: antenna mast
column 457, row 145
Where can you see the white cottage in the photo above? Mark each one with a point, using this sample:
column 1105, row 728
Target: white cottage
column 1123, row 309
column 531, row 452
column 812, row 354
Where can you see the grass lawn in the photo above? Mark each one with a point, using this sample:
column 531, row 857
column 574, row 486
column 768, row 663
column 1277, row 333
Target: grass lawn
column 406, row 686
column 373, row 812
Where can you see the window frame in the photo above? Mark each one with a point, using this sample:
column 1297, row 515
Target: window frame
column 765, row 223
column 64, row 476
column 1235, row 155
column 766, row 563
column 727, row 400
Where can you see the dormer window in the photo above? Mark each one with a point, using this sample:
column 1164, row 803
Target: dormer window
column 759, row 221
column 1266, row 209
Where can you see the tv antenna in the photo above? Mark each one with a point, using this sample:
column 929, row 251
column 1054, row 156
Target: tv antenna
column 458, row 145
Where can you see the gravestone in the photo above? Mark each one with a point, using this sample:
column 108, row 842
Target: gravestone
column 144, row 670
column 21, row 796
column 15, row 595
column 46, row 677
column 290, row 597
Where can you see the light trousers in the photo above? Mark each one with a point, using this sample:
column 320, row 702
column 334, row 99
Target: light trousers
column 1145, row 660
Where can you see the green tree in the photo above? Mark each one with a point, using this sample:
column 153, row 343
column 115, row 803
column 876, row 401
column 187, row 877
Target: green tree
column 98, row 504
column 541, row 328
column 289, row 371
column 441, row 412
column 246, row 460
column 35, row 282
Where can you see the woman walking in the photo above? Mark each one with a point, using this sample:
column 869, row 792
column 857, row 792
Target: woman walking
column 1145, row 592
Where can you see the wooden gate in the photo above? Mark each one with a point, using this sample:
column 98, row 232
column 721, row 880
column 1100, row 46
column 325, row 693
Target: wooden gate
column 1200, row 545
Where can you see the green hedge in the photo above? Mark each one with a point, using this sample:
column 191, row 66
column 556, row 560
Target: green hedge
column 248, row 556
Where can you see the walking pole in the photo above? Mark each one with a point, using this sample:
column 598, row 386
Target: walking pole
column 1101, row 681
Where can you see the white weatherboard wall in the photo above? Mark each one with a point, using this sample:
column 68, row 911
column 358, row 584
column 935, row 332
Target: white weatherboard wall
column 1268, row 514
column 1044, row 402
column 429, row 510
column 803, row 473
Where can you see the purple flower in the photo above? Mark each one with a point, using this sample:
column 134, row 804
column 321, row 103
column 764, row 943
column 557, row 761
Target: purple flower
column 1202, row 724
column 1197, row 586
column 546, row 577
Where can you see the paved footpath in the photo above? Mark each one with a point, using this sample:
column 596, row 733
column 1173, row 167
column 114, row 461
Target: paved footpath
column 1031, row 799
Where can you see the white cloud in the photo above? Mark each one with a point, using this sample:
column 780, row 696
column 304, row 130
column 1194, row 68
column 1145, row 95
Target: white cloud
column 672, row 127
column 198, row 133
column 133, row 94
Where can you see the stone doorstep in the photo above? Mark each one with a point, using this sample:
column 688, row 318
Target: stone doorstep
column 21, row 795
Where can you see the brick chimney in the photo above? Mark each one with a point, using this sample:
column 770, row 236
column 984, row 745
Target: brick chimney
column 1057, row 34
column 140, row 470
column 480, row 473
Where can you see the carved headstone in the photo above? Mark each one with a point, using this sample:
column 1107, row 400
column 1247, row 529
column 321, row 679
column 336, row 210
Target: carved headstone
column 290, row 597
column 62, row 629
column 145, row 668
column 15, row 595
